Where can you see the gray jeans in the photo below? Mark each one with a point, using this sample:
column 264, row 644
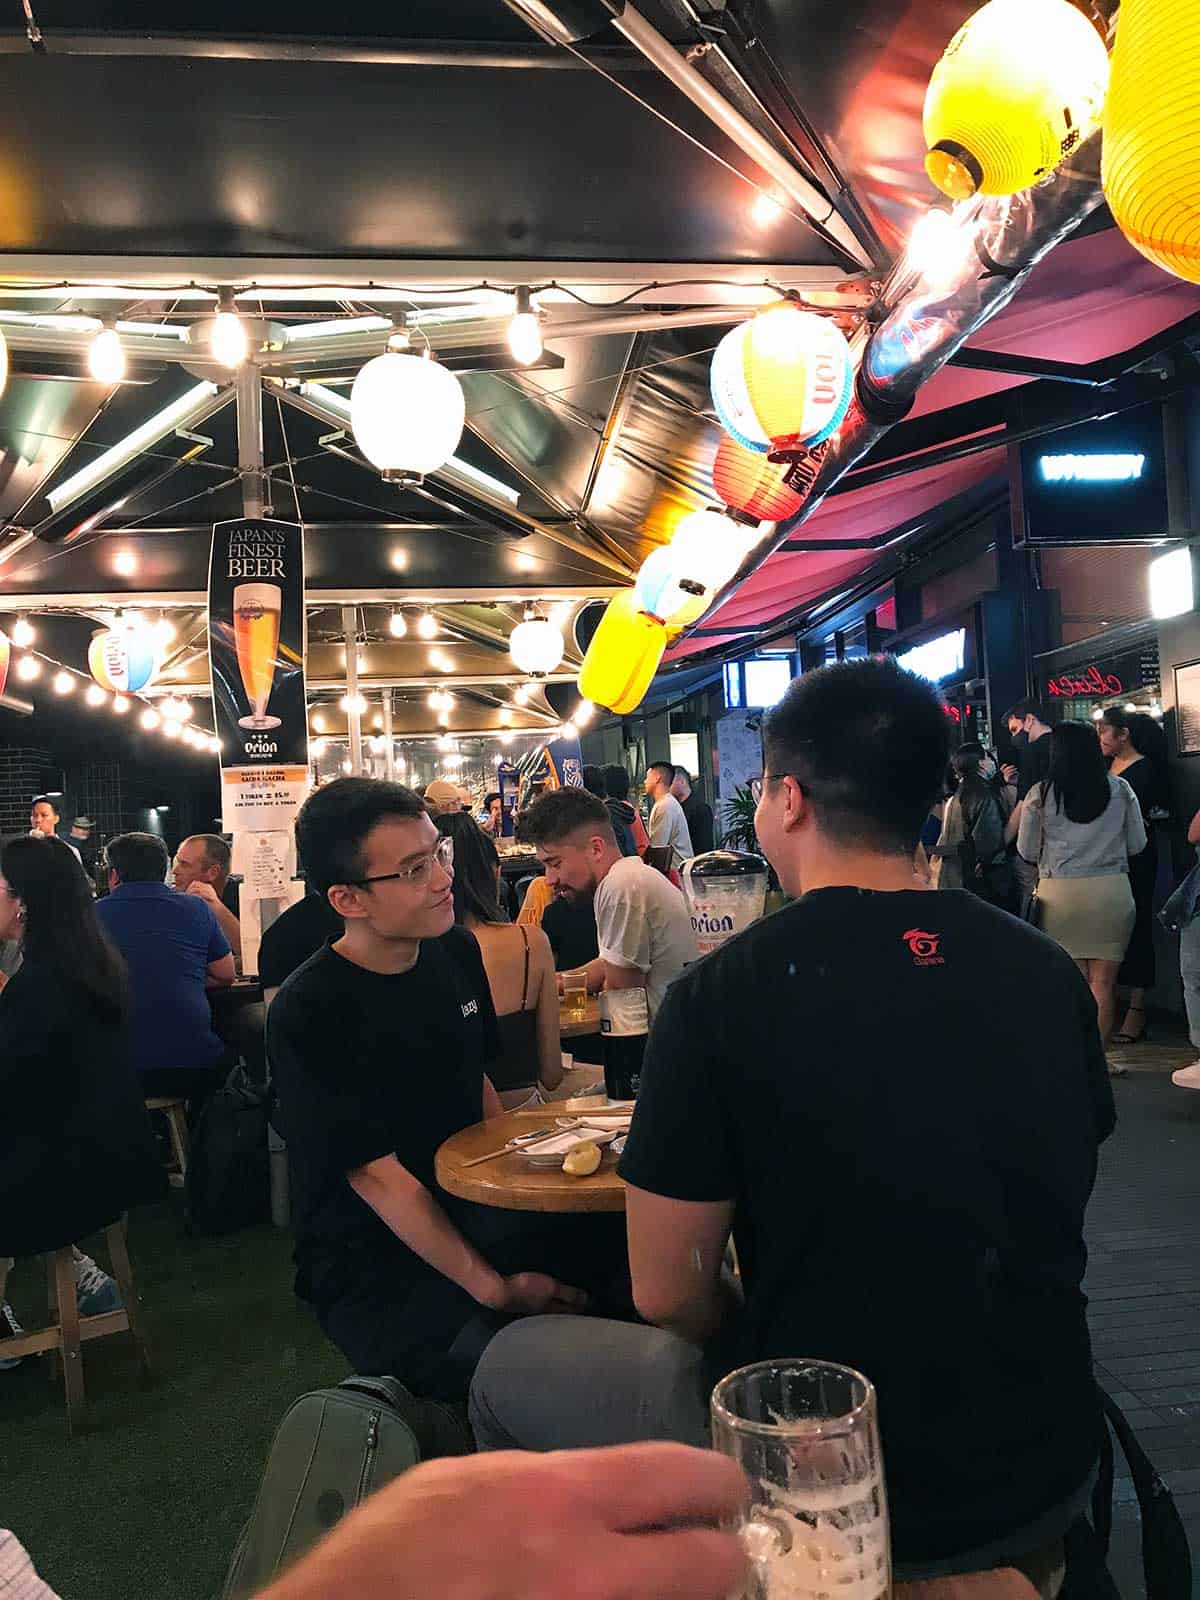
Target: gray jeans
column 1189, row 971
column 568, row 1383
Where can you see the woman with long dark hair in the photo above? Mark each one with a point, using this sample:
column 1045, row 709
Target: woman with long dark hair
column 1081, row 827
column 518, row 963
column 75, row 1145
column 1136, row 749
column 972, row 833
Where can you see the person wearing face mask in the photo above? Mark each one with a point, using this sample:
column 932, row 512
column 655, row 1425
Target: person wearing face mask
column 1028, row 730
column 973, row 825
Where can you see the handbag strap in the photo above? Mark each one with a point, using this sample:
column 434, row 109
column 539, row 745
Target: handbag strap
column 1166, row 1558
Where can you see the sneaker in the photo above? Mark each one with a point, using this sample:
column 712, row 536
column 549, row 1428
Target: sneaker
column 95, row 1291
column 9, row 1329
column 1187, row 1077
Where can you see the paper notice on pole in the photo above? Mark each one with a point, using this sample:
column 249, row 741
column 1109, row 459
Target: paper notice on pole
column 266, row 862
column 257, row 915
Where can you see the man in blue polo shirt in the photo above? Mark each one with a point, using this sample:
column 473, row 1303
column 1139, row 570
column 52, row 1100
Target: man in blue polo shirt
column 175, row 952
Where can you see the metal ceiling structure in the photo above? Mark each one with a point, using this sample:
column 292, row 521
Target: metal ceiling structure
column 653, row 173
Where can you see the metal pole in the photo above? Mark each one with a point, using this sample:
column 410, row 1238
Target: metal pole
column 250, row 442
column 353, row 715
column 390, row 749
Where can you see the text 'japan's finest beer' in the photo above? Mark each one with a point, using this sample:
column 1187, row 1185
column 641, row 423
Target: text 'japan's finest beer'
column 256, row 635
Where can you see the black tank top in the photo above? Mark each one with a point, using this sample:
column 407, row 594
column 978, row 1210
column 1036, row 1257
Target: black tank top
column 516, row 1067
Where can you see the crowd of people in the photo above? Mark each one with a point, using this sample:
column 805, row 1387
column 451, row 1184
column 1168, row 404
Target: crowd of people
column 880, row 1207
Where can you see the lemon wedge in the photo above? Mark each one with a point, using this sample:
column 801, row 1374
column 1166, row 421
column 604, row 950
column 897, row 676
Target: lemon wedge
column 583, row 1160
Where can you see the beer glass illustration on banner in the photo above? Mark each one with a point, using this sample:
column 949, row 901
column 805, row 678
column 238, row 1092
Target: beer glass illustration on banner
column 256, row 635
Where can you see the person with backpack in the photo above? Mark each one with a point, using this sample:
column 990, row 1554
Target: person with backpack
column 632, row 838
column 972, row 835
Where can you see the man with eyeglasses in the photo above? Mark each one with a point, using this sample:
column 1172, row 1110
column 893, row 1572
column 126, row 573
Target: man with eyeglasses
column 852, row 1089
column 378, row 1046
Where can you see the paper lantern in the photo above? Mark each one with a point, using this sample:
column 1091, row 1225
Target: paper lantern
column 407, row 413
column 1151, row 155
column 536, row 646
column 1021, row 84
column 5, row 658
column 623, row 656
column 122, row 659
column 749, row 482
column 782, row 381
column 666, row 592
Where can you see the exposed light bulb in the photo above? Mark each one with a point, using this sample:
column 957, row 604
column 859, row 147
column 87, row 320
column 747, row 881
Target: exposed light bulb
column 24, row 633
column 150, row 719
column 505, row 718
column 506, row 738
column 443, row 720
column 353, row 702
column 377, row 720
column 765, row 210
column 319, row 724
column 568, row 731
column 227, row 338
column 29, row 668
column 445, row 742
column 64, row 683
column 521, row 694
column 317, row 749
column 164, row 631
column 398, row 624
column 939, row 247
column 106, row 357
column 427, row 625
column 584, row 712
column 524, row 331
column 347, row 768
column 441, row 661
column 125, row 564
column 172, row 729
column 120, row 704
column 95, row 695
column 524, row 562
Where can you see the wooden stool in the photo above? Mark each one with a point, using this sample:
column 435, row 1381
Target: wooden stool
column 175, row 1112
column 68, row 1332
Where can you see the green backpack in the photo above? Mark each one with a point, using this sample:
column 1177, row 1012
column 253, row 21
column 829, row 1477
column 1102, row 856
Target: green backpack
column 333, row 1449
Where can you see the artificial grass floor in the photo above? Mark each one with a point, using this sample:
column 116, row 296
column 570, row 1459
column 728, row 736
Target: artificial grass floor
column 150, row 1501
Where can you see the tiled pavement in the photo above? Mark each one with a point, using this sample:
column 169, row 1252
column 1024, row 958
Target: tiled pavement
column 1144, row 1286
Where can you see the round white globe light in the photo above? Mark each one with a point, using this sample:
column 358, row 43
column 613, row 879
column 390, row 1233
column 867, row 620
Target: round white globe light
column 536, row 647
column 106, row 357
column 708, row 548
column 407, row 413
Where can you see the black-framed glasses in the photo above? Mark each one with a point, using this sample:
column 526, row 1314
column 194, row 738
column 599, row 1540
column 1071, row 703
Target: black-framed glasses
column 419, row 873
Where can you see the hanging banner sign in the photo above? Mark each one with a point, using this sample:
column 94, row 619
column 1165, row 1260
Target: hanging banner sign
column 256, row 646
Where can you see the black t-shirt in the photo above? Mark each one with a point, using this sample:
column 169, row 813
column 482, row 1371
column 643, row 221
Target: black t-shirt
column 294, row 936
column 368, row 1065
column 903, row 1095
column 699, row 818
column 570, row 926
column 1033, row 764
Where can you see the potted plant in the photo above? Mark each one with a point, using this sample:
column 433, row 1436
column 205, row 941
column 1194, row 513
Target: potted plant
column 738, row 821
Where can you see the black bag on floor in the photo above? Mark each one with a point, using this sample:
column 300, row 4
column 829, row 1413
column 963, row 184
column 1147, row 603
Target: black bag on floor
column 1166, row 1558
column 228, row 1183
column 333, row 1449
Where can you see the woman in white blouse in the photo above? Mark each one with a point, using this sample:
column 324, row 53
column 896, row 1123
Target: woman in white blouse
column 1080, row 828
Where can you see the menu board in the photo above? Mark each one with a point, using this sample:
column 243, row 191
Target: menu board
column 1187, row 708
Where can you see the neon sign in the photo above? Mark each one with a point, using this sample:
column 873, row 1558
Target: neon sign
column 1091, row 468
column 1093, row 683
column 937, row 659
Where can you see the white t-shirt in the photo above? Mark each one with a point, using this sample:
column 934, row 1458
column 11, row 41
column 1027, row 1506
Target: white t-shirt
column 642, row 922
column 668, row 825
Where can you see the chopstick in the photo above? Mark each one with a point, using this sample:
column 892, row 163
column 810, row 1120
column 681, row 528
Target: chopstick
column 513, row 1144
column 477, row 1161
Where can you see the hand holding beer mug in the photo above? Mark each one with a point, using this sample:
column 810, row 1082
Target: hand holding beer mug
column 806, row 1434
column 256, row 635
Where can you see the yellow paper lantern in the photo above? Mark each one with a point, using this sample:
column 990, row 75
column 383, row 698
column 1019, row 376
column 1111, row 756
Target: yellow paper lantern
column 1021, row 84
column 1151, row 157
column 623, row 656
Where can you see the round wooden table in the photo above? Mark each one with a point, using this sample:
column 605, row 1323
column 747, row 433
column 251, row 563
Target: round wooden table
column 509, row 1182
column 590, row 1023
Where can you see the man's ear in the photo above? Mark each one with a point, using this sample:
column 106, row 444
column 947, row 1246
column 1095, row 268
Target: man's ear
column 347, row 901
column 799, row 807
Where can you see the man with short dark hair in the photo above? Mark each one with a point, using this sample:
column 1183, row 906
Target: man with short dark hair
column 378, row 1046
column 493, row 814
column 668, row 826
column 642, row 925
column 175, row 952
column 1028, row 730
column 697, row 813
column 903, row 1162
column 593, row 781
column 44, row 819
column 201, row 868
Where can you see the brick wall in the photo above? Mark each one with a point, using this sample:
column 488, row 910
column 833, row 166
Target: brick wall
column 23, row 773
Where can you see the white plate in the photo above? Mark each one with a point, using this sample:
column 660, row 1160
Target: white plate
column 551, row 1152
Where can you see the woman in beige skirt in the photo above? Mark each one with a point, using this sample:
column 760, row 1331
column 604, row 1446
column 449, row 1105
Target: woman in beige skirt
column 1080, row 828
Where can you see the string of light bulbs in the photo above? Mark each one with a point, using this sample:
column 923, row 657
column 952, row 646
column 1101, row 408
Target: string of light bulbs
column 170, row 716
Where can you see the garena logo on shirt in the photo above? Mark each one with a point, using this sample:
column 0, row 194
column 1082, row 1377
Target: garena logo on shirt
column 924, row 948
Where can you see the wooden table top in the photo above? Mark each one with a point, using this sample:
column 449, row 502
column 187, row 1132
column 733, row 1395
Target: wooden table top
column 590, row 1023
column 509, row 1183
